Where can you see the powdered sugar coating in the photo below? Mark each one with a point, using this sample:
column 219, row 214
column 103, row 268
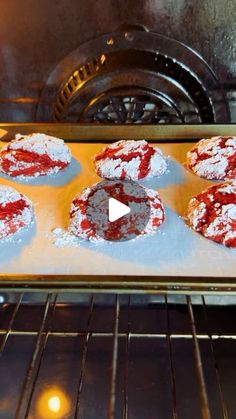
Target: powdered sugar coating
column 213, row 213
column 8, row 194
column 63, row 238
column 80, row 226
column 38, row 143
column 16, row 211
column 129, row 159
column 34, row 155
column 214, row 158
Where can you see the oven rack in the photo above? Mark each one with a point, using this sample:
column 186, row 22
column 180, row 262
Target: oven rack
column 126, row 359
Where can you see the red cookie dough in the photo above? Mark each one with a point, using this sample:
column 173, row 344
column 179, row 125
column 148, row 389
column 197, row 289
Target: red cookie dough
column 131, row 160
column 16, row 211
column 214, row 158
column 34, row 155
column 82, row 228
column 213, row 213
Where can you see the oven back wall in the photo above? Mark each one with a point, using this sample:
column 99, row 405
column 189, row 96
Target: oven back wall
column 35, row 36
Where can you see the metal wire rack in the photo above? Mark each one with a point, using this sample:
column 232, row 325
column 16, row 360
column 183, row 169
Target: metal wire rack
column 127, row 358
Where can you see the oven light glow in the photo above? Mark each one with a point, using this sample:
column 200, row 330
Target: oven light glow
column 103, row 58
column 54, row 404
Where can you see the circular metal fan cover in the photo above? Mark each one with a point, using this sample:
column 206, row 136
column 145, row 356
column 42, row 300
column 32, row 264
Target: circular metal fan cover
column 133, row 77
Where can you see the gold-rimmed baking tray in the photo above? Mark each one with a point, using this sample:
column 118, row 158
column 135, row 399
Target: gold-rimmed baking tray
column 175, row 259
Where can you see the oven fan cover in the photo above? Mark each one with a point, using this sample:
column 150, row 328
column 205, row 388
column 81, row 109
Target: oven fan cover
column 133, row 76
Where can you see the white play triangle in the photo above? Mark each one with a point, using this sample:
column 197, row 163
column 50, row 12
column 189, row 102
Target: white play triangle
column 116, row 210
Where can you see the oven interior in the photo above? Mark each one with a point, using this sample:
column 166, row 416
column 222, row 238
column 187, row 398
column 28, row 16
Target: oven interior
column 104, row 355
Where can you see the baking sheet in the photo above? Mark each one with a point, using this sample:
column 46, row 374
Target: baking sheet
column 174, row 250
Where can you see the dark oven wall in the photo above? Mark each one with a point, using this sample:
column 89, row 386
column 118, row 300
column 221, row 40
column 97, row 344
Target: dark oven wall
column 36, row 36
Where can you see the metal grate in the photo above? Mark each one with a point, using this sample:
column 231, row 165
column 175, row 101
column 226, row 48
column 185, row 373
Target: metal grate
column 139, row 107
column 123, row 359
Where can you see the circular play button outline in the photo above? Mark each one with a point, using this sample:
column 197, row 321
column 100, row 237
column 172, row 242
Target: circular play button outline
column 124, row 201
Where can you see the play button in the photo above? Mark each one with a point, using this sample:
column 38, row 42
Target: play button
column 116, row 210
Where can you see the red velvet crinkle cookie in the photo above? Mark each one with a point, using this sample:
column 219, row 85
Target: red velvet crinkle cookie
column 129, row 160
column 213, row 213
column 214, row 158
column 82, row 228
column 16, row 211
column 34, row 155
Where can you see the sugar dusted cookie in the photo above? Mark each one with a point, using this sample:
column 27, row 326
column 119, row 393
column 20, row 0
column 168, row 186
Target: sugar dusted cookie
column 129, row 160
column 214, row 158
column 82, row 227
column 213, row 213
column 16, row 211
column 34, row 155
